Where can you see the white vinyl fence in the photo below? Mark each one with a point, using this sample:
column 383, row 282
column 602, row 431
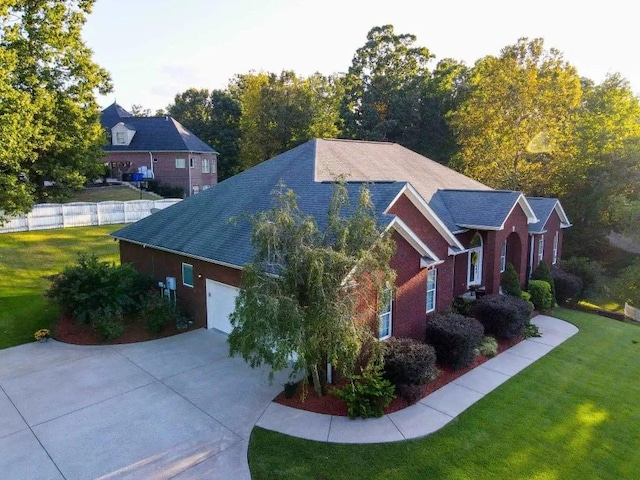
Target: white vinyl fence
column 54, row 215
column 631, row 312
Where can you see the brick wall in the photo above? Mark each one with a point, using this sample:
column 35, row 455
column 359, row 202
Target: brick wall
column 164, row 167
column 160, row 264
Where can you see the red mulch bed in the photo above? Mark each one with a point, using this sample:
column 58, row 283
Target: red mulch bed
column 332, row 405
column 69, row 332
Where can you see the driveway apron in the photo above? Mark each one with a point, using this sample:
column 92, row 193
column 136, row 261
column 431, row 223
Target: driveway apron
column 177, row 407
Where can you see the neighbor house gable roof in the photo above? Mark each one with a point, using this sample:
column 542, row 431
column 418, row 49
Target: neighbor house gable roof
column 382, row 161
column 478, row 209
column 543, row 208
column 157, row 134
column 215, row 224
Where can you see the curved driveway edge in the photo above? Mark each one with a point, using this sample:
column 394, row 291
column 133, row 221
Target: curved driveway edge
column 176, row 407
column 432, row 412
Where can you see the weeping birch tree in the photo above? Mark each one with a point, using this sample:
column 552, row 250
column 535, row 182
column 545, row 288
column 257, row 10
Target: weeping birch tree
column 309, row 296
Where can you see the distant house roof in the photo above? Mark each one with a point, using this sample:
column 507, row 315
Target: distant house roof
column 152, row 133
column 380, row 161
column 543, row 207
column 478, row 209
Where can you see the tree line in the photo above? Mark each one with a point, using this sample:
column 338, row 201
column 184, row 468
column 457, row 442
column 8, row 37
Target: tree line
column 522, row 120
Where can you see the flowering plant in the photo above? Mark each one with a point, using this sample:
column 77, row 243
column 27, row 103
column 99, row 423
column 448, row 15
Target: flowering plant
column 42, row 334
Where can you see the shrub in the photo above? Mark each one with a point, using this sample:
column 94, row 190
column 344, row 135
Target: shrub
column 503, row 315
column 156, row 312
column 488, row 347
column 368, row 394
column 166, row 191
column 90, row 285
column 587, row 270
column 531, row 330
column 541, row 295
column 455, row 338
column 107, row 323
column 542, row 272
column 626, row 288
column 510, row 281
column 408, row 363
column 463, row 306
column 568, row 286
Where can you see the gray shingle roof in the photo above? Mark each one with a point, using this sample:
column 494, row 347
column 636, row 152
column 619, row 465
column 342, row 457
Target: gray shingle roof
column 199, row 226
column 164, row 134
column 460, row 209
column 380, row 161
column 543, row 207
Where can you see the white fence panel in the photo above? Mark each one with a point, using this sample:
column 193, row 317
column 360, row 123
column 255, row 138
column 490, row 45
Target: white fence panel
column 631, row 312
column 52, row 215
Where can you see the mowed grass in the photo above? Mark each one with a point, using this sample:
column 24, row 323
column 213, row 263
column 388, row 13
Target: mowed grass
column 26, row 258
column 116, row 192
column 574, row 414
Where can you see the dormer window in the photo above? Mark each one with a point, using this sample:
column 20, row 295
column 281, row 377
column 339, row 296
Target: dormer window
column 122, row 134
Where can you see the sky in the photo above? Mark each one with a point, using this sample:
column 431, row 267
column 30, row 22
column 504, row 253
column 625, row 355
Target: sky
column 155, row 49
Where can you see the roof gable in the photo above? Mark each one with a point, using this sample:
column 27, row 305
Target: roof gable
column 113, row 114
column 543, row 208
column 478, row 209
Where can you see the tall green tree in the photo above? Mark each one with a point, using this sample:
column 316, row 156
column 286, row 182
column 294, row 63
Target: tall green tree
column 603, row 184
column 214, row 117
column 304, row 296
column 514, row 126
column 384, row 87
column 282, row 111
column 48, row 79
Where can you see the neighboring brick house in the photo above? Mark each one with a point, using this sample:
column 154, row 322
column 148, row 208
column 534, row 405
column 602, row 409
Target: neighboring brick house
column 159, row 148
column 452, row 233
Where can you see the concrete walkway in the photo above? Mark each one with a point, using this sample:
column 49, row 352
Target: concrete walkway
column 432, row 412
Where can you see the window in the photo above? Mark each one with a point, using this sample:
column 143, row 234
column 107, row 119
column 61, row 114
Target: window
column 541, row 249
column 180, row 163
column 503, row 257
column 555, row 248
column 474, row 273
column 191, row 163
column 385, row 314
column 121, row 138
column 431, row 289
column 206, row 165
column 187, row 275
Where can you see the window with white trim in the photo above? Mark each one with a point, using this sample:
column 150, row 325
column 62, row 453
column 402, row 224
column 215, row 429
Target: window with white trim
column 206, row 165
column 474, row 273
column 180, row 163
column 121, row 138
column 541, row 249
column 503, row 257
column 187, row 275
column 555, row 248
column 432, row 277
column 385, row 314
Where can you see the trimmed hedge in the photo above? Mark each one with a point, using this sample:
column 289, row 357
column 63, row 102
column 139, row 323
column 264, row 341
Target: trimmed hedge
column 568, row 286
column 541, row 296
column 503, row 316
column 408, row 362
column 455, row 339
column 543, row 272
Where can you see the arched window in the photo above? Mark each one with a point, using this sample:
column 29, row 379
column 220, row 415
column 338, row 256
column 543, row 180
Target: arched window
column 474, row 272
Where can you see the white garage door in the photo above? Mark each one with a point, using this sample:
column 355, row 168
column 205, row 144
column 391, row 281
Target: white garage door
column 221, row 302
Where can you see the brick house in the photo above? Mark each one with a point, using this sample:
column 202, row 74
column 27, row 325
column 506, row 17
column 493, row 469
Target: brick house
column 453, row 234
column 159, row 148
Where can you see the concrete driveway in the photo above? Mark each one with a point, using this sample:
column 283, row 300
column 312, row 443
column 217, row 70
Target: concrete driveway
column 177, row 407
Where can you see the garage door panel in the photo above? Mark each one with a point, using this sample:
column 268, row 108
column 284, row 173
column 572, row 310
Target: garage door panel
column 221, row 302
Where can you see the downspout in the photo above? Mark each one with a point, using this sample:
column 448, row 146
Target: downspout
column 189, row 167
column 151, row 163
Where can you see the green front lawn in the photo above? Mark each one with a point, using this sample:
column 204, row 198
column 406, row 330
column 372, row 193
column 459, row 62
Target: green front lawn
column 25, row 259
column 574, row 414
column 120, row 193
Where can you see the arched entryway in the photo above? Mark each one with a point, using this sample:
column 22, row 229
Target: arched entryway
column 514, row 252
column 474, row 265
